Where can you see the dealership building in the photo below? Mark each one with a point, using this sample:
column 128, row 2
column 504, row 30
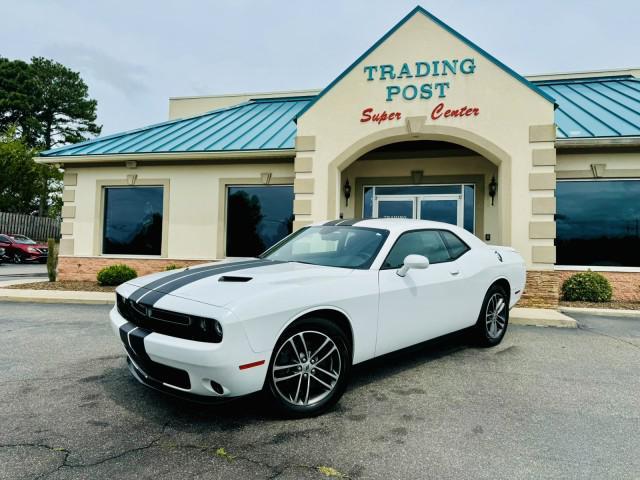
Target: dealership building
column 425, row 124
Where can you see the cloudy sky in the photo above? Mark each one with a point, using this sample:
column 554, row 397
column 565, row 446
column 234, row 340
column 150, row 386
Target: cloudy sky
column 135, row 54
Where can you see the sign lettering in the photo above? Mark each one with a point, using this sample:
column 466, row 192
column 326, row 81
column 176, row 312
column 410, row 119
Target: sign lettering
column 436, row 73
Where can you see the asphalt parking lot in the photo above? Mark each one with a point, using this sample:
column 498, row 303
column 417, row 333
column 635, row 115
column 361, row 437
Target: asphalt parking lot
column 546, row 403
column 10, row 272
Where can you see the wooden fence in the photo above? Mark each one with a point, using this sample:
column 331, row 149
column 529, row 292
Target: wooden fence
column 37, row 228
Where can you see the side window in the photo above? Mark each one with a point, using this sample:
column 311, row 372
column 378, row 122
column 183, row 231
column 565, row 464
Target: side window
column 456, row 247
column 132, row 220
column 424, row 242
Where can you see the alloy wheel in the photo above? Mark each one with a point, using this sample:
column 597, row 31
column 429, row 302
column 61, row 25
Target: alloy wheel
column 495, row 319
column 17, row 258
column 306, row 368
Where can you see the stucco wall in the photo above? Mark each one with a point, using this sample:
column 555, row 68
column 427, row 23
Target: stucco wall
column 617, row 164
column 514, row 123
column 195, row 204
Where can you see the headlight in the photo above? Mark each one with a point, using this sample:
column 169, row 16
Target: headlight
column 210, row 328
column 32, row 250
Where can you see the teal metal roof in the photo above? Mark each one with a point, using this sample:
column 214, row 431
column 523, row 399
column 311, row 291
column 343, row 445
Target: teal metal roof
column 587, row 108
column 596, row 107
column 265, row 124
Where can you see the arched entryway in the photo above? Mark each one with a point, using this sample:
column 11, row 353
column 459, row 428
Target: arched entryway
column 439, row 173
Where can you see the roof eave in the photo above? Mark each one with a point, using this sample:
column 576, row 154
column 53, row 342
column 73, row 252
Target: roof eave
column 603, row 142
column 168, row 156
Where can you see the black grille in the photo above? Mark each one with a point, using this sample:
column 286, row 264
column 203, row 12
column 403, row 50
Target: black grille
column 133, row 340
column 175, row 324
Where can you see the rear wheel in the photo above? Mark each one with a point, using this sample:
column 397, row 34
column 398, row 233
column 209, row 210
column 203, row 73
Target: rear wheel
column 494, row 317
column 17, row 258
column 309, row 368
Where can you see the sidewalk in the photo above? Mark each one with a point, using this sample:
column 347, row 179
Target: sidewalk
column 615, row 312
column 519, row 316
column 56, row 296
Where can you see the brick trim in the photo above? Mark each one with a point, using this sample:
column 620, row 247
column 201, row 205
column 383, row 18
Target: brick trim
column 86, row 268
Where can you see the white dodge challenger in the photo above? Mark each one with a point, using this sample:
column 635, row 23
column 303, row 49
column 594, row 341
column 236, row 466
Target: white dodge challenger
column 294, row 321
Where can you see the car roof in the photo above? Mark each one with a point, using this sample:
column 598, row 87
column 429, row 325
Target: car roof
column 393, row 224
column 398, row 225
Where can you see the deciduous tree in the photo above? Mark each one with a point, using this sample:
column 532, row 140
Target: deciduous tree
column 43, row 104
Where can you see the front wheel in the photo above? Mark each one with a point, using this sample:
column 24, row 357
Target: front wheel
column 494, row 317
column 309, row 368
column 17, row 258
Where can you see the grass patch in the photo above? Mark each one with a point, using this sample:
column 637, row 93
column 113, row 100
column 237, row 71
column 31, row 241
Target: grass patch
column 330, row 472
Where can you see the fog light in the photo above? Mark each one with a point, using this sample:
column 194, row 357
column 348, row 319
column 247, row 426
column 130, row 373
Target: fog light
column 217, row 387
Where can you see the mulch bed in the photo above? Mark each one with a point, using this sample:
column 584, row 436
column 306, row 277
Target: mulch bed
column 613, row 305
column 65, row 285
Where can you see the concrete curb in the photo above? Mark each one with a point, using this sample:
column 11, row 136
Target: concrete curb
column 541, row 317
column 57, row 296
column 609, row 312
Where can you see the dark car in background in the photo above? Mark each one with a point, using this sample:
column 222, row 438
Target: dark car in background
column 20, row 249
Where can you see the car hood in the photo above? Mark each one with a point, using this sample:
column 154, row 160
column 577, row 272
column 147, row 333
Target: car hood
column 223, row 283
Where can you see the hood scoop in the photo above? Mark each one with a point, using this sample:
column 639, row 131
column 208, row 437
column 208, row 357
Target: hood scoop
column 234, row 279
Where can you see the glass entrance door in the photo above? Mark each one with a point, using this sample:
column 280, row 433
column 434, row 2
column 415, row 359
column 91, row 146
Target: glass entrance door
column 450, row 203
column 441, row 209
column 438, row 208
column 395, row 207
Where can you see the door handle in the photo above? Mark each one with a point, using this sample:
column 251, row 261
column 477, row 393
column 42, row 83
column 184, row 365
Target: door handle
column 455, row 272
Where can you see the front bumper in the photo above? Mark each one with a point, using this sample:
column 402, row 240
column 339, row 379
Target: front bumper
column 186, row 368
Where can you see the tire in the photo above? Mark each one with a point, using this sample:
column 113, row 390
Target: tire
column 490, row 327
column 17, row 258
column 307, row 380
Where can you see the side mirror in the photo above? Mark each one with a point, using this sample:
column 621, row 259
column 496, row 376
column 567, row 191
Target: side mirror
column 413, row 261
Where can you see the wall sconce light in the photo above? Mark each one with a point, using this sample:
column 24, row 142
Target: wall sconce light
column 493, row 189
column 346, row 189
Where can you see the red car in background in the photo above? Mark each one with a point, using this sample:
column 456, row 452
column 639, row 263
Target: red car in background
column 19, row 249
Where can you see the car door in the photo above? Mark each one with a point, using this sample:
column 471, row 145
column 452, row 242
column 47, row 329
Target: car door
column 423, row 304
column 471, row 281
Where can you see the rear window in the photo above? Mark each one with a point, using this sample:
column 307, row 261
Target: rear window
column 456, row 247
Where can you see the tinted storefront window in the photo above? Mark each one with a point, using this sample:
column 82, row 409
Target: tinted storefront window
column 598, row 223
column 257, row 218
column 132, row 220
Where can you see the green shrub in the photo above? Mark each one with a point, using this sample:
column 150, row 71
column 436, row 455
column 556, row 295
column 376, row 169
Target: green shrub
column 172, row 266
column 587, row 287
column 52, row 260
column 116, row 274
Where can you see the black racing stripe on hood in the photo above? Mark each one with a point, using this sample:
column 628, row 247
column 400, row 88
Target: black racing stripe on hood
column 135, row 296
column 350, row 222
column 151, row 297
column 340, row 222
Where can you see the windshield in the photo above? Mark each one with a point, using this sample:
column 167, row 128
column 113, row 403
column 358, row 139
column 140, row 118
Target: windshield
column 334, row 246
column 23, row 240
